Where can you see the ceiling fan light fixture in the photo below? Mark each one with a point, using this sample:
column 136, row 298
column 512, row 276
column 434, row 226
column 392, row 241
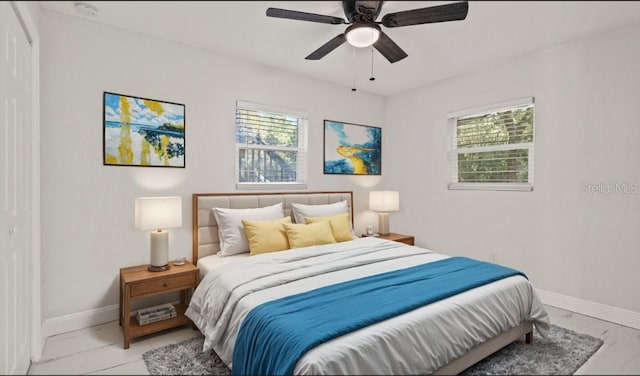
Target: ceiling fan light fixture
column 363, row 34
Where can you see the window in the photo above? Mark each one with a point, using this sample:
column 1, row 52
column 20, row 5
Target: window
column 271, row 147
column 492, row 147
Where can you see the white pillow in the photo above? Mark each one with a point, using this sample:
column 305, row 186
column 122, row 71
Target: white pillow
column 232, row 237
column 300, row 211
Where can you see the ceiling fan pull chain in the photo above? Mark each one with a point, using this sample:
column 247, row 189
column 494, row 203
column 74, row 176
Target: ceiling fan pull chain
column 372, row 78
column 353, row 87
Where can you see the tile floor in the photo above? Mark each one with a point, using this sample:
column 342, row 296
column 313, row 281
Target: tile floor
column 98, row 350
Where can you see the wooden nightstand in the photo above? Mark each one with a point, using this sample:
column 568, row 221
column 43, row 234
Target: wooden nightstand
column 137, row 282
column 406, row 239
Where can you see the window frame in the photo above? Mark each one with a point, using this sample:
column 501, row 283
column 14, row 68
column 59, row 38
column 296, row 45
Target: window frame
column 454, row 151
column 301, row 149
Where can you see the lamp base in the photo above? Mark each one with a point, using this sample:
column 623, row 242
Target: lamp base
column 162, row 268
column 383, row 223
column 159, row 251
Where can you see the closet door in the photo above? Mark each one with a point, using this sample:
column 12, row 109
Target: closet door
column 15, row 194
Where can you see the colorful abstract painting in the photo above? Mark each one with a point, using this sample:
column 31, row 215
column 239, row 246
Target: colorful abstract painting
column 143, row 132
column 352, row 149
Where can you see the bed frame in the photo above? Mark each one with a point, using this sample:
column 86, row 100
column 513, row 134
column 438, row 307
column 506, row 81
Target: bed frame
column 206, row 242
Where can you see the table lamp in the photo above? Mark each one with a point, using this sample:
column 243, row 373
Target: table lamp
column 384, row 202
column 158, row 213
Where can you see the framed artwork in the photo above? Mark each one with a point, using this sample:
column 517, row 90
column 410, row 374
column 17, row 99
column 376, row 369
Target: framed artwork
column 142, row 132
column 352, row 149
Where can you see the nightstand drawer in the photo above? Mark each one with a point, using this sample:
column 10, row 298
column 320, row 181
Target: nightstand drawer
column 163, row 284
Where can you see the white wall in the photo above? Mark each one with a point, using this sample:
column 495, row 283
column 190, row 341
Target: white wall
column 587, row 95
column 87, row 208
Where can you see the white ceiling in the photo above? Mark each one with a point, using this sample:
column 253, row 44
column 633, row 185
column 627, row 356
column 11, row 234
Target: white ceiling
column 492, row 31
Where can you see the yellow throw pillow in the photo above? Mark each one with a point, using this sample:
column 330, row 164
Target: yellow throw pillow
column 340, row 225
column 266, row 236
column 300, row 235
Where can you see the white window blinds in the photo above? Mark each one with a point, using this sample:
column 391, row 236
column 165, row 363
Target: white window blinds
column 271, row 147
column 492, row 148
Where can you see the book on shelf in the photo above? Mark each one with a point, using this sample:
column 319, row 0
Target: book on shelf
column 156, row 313
column 159, row 308
column 149, row 320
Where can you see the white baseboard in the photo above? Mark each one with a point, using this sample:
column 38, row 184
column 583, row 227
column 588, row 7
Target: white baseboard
column 588, row 308
column 80, row 320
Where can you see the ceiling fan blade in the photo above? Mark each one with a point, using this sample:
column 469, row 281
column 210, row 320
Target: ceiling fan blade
column 327, row 47
column 440, row 13
column 389, row 48
column 303, row 16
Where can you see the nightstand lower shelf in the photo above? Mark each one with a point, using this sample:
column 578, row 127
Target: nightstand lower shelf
column 136, row 330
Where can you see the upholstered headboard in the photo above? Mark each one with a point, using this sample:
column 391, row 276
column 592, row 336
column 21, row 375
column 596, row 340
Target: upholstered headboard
column 205, row 228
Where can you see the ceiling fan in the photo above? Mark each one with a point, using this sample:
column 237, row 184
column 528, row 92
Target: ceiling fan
column 365, row 31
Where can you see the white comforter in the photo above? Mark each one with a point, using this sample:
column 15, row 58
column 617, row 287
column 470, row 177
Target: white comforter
column 420, row 341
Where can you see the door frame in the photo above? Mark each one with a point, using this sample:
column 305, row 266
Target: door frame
column 30, row 28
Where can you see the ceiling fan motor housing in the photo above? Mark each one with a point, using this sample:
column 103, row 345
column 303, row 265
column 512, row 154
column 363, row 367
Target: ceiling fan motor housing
column 356, row 10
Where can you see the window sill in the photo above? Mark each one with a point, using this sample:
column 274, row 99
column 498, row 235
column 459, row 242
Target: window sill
column 270, row 186
column 490, row 187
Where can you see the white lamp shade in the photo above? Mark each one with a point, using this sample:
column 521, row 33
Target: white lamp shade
column 154, row 213
column 384, row 201
column 362, row 36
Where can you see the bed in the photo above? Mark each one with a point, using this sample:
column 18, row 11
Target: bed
column 444, row 337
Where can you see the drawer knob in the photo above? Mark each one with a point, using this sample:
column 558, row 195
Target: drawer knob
column 165, row 284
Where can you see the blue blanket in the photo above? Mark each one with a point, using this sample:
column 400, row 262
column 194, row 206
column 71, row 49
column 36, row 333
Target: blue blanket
column 276, row 334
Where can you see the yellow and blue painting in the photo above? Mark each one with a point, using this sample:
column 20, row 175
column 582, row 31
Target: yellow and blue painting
column 352, row 149
column 143, row 132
